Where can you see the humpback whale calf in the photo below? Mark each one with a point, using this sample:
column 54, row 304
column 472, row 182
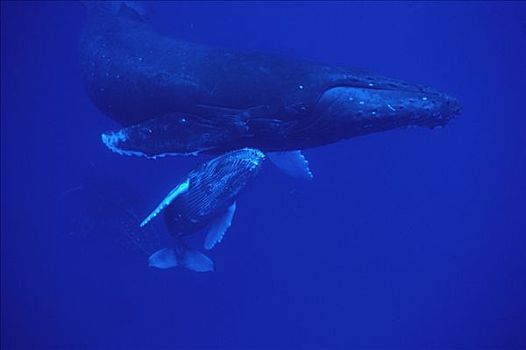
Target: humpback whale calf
column 176, row 97
column 206, row 199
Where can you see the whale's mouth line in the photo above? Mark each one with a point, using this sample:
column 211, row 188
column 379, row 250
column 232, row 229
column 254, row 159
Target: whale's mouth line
column 386, row 88
column 372, row 86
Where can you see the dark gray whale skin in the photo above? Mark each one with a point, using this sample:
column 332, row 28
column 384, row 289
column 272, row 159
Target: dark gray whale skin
column 173, row 96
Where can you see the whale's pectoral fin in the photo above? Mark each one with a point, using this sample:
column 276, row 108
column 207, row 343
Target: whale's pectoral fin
column 218, row 228
column 175, row 134
column 191, row 259
column 180, row 189
column 292, row 163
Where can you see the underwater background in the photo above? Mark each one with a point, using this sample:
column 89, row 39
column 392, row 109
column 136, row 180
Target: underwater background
column 412, row 238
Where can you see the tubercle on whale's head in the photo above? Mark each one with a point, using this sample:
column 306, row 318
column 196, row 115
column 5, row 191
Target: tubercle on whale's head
column 233, row 170
column 356, row 110
column 252, row 158
column 254, row 155
column 229, row 172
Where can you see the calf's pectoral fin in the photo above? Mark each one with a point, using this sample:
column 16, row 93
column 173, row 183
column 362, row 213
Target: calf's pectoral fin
column 178, row 190
column 293, row 163
column 218, row 228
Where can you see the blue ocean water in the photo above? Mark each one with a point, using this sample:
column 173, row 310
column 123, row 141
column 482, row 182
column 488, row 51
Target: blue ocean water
column 412, row 238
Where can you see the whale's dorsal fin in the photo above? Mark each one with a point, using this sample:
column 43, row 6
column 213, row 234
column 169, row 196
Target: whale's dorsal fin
column 217, row 229
column 293, row 163
column 180, row 189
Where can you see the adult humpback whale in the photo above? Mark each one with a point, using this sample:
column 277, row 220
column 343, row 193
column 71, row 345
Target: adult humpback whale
column 176, row 97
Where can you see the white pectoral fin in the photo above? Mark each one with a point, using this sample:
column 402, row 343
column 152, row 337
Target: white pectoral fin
column 293, row 163
column 180, row 189
column 217, row 229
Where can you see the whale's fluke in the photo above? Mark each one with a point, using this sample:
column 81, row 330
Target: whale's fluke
column 218, row 228
column 163, row 258
column 197, row 261
column 292, row 163
column 191, row 259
